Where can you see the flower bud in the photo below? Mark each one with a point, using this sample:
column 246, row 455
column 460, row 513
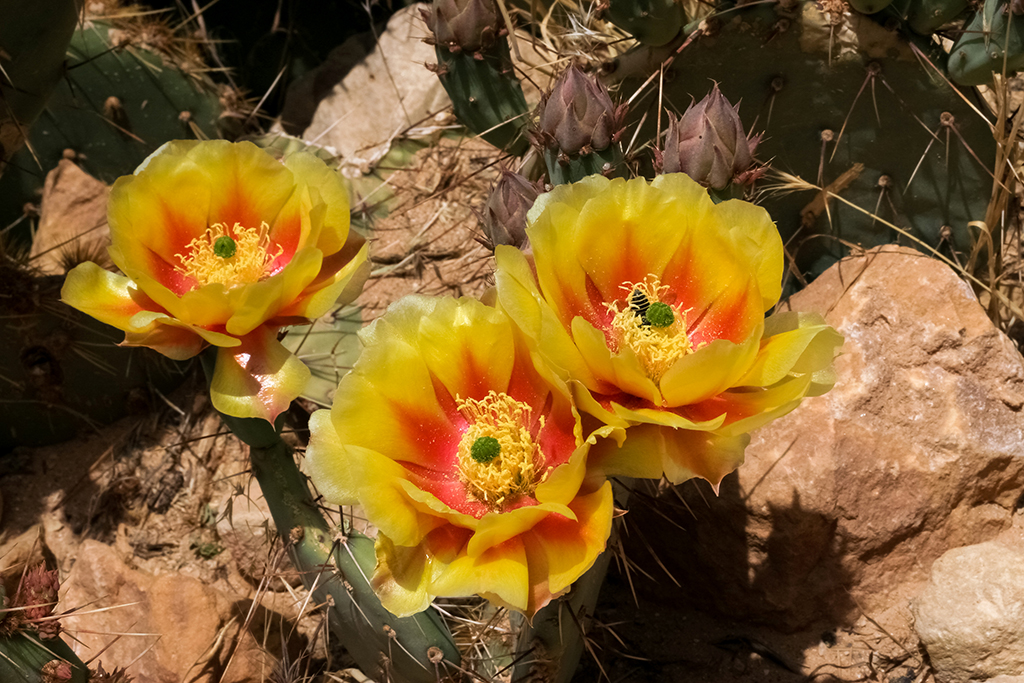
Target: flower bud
column 709, row 145
column 464, row 25
column 578, row 116
column 506, row 209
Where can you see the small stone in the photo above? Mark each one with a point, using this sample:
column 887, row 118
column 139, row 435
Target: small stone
column 970, row 616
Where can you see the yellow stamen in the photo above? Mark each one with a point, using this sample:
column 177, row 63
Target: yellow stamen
column 210, row 257
column 656, row 347
column 513, row 471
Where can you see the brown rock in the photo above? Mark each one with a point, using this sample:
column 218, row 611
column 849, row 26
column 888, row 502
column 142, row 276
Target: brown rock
column 386, row 93
column 172, row 627
column 73, row 219
column 846, row 502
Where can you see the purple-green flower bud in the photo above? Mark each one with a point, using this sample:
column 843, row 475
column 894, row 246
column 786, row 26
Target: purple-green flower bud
column 464, row 25
column 506, row 209
column 709, row 145
column 578, row 116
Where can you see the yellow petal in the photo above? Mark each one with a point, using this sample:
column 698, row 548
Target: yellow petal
column 708, row 371
column 793, row 342
column 258, row 378
column 651, row 451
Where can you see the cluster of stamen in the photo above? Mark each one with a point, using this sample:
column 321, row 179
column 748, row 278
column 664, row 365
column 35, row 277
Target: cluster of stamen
column 498, row 458
column 228, row 256
column 654, row 330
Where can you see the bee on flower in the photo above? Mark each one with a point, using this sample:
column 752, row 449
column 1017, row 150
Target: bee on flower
column 650, row 300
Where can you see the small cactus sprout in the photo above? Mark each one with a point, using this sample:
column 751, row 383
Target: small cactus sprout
column 506, row 209
column 578, row 126
column 709, row 145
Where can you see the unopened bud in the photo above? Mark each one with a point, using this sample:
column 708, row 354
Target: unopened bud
column 709, row 145
column 578, row 115
column 506, row 209
column 464, row 25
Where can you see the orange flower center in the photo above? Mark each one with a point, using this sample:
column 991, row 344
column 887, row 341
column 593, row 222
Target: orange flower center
column 497, row 455
column 652, row 329
column 230, row 257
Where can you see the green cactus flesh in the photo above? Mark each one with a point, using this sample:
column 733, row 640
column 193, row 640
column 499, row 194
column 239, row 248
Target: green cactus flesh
column 885, row 110
column 991, row 40
column 34, row 37
column 486, row 95
column 926, row 16
column 574, row 169
column 650, row 22
column 23, row 658
column 869, row 6
column 328, row 347
column 115, row 106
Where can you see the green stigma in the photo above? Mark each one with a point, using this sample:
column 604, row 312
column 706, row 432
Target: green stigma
column 660, row 315
column 225, row 247
column 485, row 449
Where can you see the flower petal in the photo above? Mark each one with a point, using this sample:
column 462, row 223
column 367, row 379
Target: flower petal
column 794, row 342
column 651, row 451
column 560, row 550
column 708, row 371
column 257, row 378
column 521, row 299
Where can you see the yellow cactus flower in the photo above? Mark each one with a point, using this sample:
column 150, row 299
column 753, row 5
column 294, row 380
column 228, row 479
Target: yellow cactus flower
column 651, row 300
column 467, row 456
column 221, row 244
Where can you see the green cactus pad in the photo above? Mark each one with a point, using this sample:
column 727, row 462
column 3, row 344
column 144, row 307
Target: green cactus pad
column 795, row 94
column 486, row 95
column 607, row 162
column 115, row 106
column 33, row 39
column 991, row 39
column 926, row 16
column 650, row 22
column 869, row 6
column 63, row 369
column 328, row 347
column 22, row 659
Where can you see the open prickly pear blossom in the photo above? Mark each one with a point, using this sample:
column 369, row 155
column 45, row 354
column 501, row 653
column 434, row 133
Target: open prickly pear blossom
column 221, row 245
column 651, row 300
column 467, row 455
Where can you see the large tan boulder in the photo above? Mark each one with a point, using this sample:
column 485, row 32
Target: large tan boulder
column 843, row 505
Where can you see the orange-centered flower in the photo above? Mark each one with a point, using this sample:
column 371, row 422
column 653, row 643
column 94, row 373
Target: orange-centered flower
column 651, row 300
column 468, row 457
column 221, row 244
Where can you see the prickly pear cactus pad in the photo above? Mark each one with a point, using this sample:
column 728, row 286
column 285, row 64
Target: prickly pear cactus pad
column 32, row 51
column 118, row 100
column 845, row 104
